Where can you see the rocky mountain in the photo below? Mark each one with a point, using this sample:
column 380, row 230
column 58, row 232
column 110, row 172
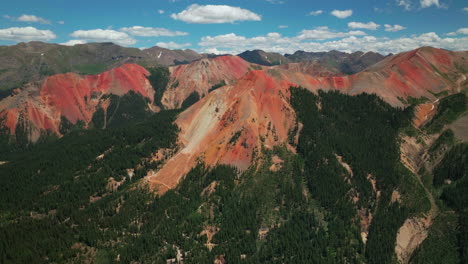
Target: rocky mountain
column 239, row 163
column 263, row 58
column 421, row 73
column 201, row 77
column 32, row 61
column 168, row 57
column 347, row 63
column 259, row 100
column 41, row 107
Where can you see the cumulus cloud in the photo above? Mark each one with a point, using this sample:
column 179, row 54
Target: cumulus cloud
column 61, row 22
column 370, row 25
column 172, row 45
column 393, row 28
column 406, row 4
column 275, row 1
column 160, row 11
column 316, row 13
column 465, row 9
column 73, row 42
column 342, row 13
column 461, row 31
column 28, row 19
column 151, row 32
column 26, row 34
column 282, row 26
column 104, row 35
column 274, row 42
column 215, row 14
column 323, row 33
column 429, row 3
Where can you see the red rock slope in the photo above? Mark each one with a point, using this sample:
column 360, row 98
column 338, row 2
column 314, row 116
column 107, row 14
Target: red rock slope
column 38, row 107
column 421, row 72
column 231, row 124
column 200, row 76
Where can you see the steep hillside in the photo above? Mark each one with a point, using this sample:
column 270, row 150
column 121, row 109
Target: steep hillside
column 201, row 76
column 347, row 63
column 423, row 72
column 258, row 170
column 263, row 58
column 311, row 68
column 32, row 61
column 42, row 107
column 168, row 57
column 228, row 125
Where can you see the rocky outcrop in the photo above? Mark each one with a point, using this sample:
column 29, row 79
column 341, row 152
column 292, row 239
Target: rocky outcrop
column 201, row 76
column 40, row 107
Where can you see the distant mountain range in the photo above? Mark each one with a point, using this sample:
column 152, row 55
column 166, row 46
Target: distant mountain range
column 347, row 63
column 26, row 62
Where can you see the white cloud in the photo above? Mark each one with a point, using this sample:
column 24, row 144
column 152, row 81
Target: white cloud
column 461, row 31
column 323, row 33
column 104, row 35
column 282, row 26
column 370, row 25
column 215, row 14
column 316, row 13
column 26, row 34
column 28, row 19
column 73, row 42
column 342, row 13
column 429, row 3
column 33, row 19
column 152, row 32
column 216, row 51
column 465, row 9
column 172, row 45
column 393, row 28
column 61, row 22
column 406, row 4
column 275, row 1
column 274, row 42
column 160, row 11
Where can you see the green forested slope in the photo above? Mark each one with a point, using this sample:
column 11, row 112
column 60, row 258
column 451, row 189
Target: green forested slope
column 56, row 206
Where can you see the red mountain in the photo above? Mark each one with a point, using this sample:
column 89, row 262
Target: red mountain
column 200, row 76
column 39, row 106
column 231, row 124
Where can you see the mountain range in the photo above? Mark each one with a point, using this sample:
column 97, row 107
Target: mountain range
column 324, row 157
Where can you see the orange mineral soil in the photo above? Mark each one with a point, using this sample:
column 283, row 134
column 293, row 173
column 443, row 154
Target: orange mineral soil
column 200, row 76
column 229, row 125
column 40, row 106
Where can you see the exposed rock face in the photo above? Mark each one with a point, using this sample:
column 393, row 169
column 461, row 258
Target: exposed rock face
column 39, row 107
column 200, row 76
column 416, row 73
column 312, row 68
column 410, row 236
column 230, row 124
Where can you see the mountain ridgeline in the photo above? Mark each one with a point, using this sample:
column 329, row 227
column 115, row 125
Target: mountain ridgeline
column 347, row 63
column 317, row 158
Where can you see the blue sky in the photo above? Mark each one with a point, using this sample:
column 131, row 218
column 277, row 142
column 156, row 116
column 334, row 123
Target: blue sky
column 233, row 26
